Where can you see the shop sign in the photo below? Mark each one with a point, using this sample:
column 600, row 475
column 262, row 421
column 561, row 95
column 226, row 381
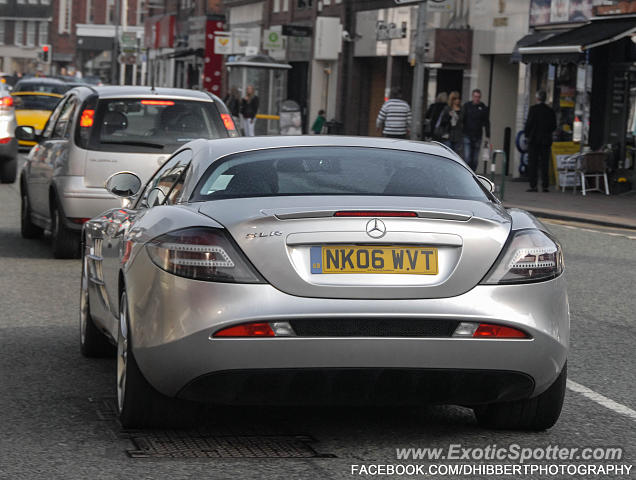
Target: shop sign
column 440, row 5
column 297, row 31
column 223, row 44
column 272, row 40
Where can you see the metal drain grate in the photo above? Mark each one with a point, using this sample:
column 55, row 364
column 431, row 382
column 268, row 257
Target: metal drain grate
column 184, row 444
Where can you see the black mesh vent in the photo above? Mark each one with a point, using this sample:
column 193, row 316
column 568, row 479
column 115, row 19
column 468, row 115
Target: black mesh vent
column 373, row 327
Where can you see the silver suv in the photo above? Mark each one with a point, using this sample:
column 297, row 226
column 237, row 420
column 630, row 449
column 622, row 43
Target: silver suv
column 95, row 132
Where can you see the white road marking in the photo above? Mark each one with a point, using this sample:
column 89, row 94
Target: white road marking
column 601, row 399
column 564, row 224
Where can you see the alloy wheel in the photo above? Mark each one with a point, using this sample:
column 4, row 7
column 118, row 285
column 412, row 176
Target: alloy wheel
column 122, row 353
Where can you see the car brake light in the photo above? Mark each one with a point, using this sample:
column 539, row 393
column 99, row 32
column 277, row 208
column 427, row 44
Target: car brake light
column 157, row 102
column 202, row 254
column 86, row 120
column 5, row 140
column 7, row 102
column 374, row 214
column 228, row 122
column 529, row 256
column 258, row 329
column 487, row 330
column 79, row 221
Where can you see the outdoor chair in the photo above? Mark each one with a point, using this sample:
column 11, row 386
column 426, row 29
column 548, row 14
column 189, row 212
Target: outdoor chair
column 593, row 165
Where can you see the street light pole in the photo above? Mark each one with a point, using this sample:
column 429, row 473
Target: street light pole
column 417, row 99
column 114, row 60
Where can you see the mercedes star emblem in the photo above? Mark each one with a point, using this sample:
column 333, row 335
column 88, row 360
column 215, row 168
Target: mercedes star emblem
column 376, row 228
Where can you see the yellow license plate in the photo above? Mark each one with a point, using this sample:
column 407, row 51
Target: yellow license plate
column 374, row 259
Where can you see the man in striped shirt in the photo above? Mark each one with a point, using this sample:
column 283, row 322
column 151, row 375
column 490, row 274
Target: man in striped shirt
column 394, row 118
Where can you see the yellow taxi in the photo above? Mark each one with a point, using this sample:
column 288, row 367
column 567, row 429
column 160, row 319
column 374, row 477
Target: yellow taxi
column 33, row 109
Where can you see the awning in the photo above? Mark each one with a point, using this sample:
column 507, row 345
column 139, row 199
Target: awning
column 531, row 39
column 571, row 46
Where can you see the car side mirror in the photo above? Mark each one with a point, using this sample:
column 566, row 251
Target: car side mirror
column 123, row 184
column 489, row 184
column 25, row 133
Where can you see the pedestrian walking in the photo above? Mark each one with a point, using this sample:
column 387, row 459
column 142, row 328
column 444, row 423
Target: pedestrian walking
column 475, row 116
column 451, row 124
column 394, row 119
column 431, row 117
column 249, row 109
column 540, row 125
column 319, row 123
column 233, row 103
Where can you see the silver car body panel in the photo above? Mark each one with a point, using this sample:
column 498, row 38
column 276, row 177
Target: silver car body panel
column 172, row 318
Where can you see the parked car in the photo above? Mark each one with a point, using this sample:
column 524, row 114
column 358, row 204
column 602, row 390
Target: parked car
column 8, row 143
column 97, row 131
column 44, row 85
column 251, row 271
column 34, row 109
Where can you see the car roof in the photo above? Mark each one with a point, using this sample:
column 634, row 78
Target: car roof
column 45, row 80
column 225, row 146
column 119, row 91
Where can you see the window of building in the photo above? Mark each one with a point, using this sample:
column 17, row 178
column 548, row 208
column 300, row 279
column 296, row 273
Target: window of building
column 302, row 4
column 33, row 2
column 30, row 34
column 275, row 6
column 89, row 11
column 43, row 33
column 21, row 2
column 18, row 31
column 1, row 31
column 285, row 5
column 45, row 2
column 110, row 12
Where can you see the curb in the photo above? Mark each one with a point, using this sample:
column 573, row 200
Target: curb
column 560, row 215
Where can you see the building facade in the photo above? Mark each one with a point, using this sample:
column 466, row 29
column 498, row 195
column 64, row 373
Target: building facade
column 25, row 26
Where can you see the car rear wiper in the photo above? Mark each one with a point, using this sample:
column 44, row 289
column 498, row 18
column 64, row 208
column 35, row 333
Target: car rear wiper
column 134, row 143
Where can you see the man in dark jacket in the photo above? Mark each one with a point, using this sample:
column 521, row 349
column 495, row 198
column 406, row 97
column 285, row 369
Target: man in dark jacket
column 476, row 117
column 540, row 125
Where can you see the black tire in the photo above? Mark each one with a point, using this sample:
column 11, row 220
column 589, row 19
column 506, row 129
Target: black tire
column 27, row 228
column 138, row 403
column 535, row 414
column 65, row 242
column 8, row 170
column 93, row 343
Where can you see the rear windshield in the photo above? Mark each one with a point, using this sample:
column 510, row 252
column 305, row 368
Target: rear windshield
column 152, row 125
column 35, row 102
column 60, row 88
column 337, row 171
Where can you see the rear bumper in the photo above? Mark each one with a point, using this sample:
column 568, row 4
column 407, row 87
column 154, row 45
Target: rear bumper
column 358, row 386
column 172, row 319
column 79, row 201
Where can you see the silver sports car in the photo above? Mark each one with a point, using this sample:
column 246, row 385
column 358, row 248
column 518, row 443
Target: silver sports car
column 331, row 270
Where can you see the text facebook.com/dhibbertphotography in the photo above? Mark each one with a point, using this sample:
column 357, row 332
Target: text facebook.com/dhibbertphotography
column 514, row 460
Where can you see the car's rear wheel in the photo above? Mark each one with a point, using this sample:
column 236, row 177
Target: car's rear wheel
column 93, row 343
column 27, row 228
column 138, row 403
column 538, row 413
column 8, row 170
column 65, row 242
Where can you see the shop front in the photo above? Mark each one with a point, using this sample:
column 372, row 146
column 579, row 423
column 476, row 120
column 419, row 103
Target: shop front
column 589, row 74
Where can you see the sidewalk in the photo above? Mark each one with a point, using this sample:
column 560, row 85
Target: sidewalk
column 612, row 210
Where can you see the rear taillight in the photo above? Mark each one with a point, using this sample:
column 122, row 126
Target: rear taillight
column 6, row 102
column 257, row 329
column 86, row 120
column 79, row 221
column 202, row 254
column 228, row 123
column 487, row 330
column 5, row 140
column 530, row 256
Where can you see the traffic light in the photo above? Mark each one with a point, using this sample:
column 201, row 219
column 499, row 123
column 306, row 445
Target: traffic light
column 45, row 54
